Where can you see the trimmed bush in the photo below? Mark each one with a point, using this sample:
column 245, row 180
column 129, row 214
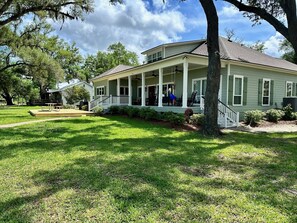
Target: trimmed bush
column 133, row 112
column 188, row 113
column 114, row 110
column 123, row 110
column 253, row 117
column 288, row 113
column 173, row 118
column 98, row 111
column 197, row 119
column 274, row 115
column 148, row 113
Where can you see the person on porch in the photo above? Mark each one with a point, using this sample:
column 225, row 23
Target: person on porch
column 172, row 97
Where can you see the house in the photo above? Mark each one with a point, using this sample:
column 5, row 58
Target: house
column 249, row 80
column 58, row 95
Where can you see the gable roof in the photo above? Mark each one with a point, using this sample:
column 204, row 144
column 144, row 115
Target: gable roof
column 114, row 70
column 172, row 44
column 68, row 86
column 234, row 51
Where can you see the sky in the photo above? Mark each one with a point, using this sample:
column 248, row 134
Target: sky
column 143, row 24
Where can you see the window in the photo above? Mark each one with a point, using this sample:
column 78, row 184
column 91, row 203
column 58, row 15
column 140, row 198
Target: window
column 266, row 92
column 139, row 91
column 159, row 57
column 154, row 57
column 124, row 90
column 100, row 90
column 199, row 85
column 289, row 89
column 237, row 90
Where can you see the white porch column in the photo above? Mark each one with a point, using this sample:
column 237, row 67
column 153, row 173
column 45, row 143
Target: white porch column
column 118, row 91
column 185, row 82
column 130, row 90
column 143, row 89
column 107, row 88
column 160, row 87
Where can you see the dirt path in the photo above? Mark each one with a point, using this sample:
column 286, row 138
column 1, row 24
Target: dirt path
column 280, row 127
column 29, row 122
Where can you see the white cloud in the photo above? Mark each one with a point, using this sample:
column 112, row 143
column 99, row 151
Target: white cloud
column 272, row 45
column 131, row 23
column 228, row 11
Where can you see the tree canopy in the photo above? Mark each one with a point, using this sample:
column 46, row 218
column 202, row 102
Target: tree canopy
column 14, row 10
column 281, row 14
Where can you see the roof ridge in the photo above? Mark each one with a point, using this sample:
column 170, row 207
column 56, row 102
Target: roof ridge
column 225, row 48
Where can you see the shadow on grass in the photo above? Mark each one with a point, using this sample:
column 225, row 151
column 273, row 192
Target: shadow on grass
column 159, row 173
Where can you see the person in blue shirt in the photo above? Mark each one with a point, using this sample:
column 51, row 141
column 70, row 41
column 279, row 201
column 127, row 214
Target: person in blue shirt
column 172, row 97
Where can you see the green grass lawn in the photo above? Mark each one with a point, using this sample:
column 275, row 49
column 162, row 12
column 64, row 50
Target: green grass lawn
column 14, row 114
column 115, row 169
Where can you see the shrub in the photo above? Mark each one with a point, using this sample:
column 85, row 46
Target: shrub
column 133, row 112
column 173, row 118
column 98, row 111
column 84, row 107
column 274, row 115
column 253, row 117
column 177, row 119
column 197, row 119
column 148, row 113
column 69, row 106
column 288, row 113
column 114, row 110
column 188, row 113
column 123, row 110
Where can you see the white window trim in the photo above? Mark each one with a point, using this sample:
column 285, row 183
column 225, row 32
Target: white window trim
column 269, row 86
column 124, row 90
column 241, row 93
column 103, row 91
column 289, row 82
column 198, row 79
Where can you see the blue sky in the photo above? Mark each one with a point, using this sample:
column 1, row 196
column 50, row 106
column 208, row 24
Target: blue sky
column 142, row 24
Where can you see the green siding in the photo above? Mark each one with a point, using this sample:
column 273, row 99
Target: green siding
column 254, row 86
column 174, row 50
column 99, row 83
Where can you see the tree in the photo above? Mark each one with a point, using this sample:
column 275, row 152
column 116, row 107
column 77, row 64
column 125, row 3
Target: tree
column 116, row 54
column 214, row 69
column 76, row 94
column 259, row 46
column 289, row 54
column 45, row 70
column 14, row 10
column 281, row 14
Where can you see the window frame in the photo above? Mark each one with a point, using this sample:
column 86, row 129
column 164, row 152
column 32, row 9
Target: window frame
column 126, row 93
column 269, row 91
column 289, row 82
column 241, row 95
column 102, row 91
column 201, row 85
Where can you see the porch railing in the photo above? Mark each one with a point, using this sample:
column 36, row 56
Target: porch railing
column 107, row 101
column 227, row 117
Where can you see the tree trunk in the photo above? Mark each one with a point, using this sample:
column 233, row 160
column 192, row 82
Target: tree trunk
column 214, row 68
column 7, row 98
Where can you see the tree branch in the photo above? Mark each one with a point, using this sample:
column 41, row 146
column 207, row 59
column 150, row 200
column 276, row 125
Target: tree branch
column 5, row 6
column 51, row 8
column 263, row 14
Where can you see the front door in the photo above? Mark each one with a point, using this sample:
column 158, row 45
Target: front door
column 152, row 95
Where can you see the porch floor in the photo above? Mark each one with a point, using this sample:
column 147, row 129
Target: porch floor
column 60, row 113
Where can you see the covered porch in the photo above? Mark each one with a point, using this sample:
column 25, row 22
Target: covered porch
column 183, row 76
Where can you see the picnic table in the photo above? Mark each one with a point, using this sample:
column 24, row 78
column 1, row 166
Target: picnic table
column 51, row 106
